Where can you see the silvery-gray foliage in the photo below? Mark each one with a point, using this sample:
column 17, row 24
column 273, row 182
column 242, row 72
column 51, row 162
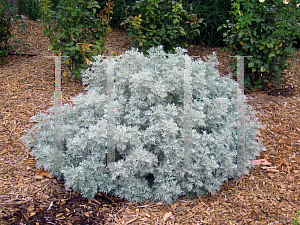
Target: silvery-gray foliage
column 149, row 118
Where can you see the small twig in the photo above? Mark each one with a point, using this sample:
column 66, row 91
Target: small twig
column 132, row 220
column 108, row 197
column 40, row 190
column 143, row 206
column 51, row 204
column 11, row 202
column 121, row 209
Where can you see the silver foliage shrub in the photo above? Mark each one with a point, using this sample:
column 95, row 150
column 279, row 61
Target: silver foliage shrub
column 149, row 115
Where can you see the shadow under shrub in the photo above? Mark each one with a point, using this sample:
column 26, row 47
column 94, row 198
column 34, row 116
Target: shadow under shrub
column 149, row 130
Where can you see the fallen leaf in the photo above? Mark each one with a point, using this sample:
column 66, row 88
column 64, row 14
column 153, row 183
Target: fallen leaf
column 41, row 173
column 167, row 216
column 273, row 170
column 261, row 162
column 38, row 177
column 291, row 179
column 266, row 168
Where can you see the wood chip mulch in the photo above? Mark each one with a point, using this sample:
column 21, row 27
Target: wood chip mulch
column 269, row 194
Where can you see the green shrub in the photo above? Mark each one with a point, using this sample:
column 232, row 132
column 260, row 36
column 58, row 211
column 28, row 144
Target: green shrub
column 161, row 22
column 6, row 24
column 264, row 30
column 214, row 13
column 296, row 220
column 54, row 4
column 77, row 31
column 149, row 130
column 120, row 10
column 30, row 8
column 4, row 35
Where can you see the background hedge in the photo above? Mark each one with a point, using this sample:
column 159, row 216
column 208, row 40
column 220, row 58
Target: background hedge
column 214, row 13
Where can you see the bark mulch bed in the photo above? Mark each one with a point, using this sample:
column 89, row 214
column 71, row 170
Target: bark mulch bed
column 269, row 194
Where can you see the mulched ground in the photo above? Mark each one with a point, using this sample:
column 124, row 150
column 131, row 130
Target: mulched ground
column 268, row 195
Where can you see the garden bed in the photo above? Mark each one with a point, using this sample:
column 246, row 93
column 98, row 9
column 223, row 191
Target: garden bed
column 268, row 195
